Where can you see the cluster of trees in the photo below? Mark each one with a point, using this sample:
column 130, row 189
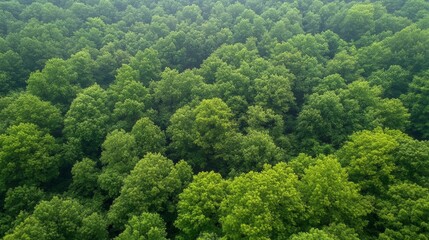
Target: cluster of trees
column 165, row 119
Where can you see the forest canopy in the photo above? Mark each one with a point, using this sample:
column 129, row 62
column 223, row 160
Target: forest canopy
column 164, row 119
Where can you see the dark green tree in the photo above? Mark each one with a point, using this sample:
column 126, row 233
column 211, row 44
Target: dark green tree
column 416, row 100
column 119, row 156
column 148, row 137
column 54, row 83
column 27, row 108
column 26, row 150
column 87, row 120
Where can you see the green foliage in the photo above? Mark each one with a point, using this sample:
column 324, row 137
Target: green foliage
column 265, row 120
column 12, row 71
column 26, row 150
column 22, row 198
column 253, row 151
column 199, row 205
column 127, row 98
column 87, row 119
column 416, row 100
column 368, row 158
column 60, row 219
column 144, row 227
column 313, row 234
column 148, row 137
column 150, row 187
column 85, row 174
column 404, row 214
column 264, row 205
column 330, row 197
column 26, row 108
column 54, row 83
column 119, row 156
column 173, row 91
column 148, row 65
column 205, row 130
column 274, row 92
column 358, row 20
column 213, row 123
column 87, row 88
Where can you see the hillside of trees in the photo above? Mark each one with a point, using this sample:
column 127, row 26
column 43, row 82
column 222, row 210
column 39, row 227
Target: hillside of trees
column 186, row 119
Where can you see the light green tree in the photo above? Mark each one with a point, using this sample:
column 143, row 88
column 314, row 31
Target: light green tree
column 147, row 226
column 199, row 205
column 330, row 198
column 264, row 205
column 152, row 186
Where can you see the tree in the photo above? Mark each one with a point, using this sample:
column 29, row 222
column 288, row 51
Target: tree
column 369, row 160
column 119, row 156
column 253, row 151
column 416, row 100
column 173, row 91
column 84, row 177
column 87, row 120
column 144, row 227
column 83, row 65
column 148, row 137
column 405, row 212
column 394, row 81
column 199, row 205
column 359, row 19
column 22, row 198
column 263, row 205
column 365, row 109
column 26, row 150
column 275, row 92
column 152, row 186
column 54, row 83
column 203, row 135
column 148, row 65
column 127, row 98
column 330, row 198
column 313, row 234
column 182, row 133
column 306, row 70
column 321, row 121
column 410, row 158
column 346, row 64
column 333, row 82
column 60, row 219
column 213, row 123
column 26, row 108
column 12, row 73
column 265, row 120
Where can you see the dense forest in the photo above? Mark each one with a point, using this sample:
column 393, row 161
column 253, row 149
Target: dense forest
column 186, row 119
